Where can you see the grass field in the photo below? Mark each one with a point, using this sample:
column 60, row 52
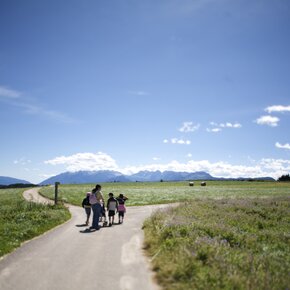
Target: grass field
column 140, row 193
column 21, row 220
column 226, row 235
column 241, row 243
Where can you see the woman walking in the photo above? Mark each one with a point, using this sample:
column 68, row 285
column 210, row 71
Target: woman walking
column 97, row 201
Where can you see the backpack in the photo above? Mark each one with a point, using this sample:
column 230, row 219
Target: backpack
column 86, row 201
column 93, row 198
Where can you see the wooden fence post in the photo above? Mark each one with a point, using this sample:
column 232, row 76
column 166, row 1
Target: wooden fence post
column 56, row 192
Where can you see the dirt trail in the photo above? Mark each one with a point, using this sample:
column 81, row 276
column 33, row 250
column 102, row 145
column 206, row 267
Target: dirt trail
column 68, row 257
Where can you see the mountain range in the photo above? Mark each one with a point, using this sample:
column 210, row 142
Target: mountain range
column 5, row 180
column 115, row 176
column 141, row 176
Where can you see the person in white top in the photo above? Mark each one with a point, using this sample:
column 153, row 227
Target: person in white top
column 97, row 201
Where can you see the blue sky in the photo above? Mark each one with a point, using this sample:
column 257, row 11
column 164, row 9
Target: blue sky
column 144, row 85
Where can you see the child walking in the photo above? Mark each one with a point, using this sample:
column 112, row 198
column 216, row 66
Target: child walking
column 87, row 206
column 103, row 218
column 121, row 207
column 112, row 207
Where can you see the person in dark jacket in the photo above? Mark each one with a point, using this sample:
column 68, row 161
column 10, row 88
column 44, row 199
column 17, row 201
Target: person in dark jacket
column 112, row 207
column 87, row 206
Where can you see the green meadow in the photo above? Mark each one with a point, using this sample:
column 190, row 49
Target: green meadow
column 240, row 243
column 145, row 193
column 21, row 220
column 226, row 235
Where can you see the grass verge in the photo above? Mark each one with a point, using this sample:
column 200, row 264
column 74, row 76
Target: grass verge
column 21, row 220
column 221, row 244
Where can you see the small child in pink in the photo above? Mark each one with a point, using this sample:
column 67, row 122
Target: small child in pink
column 121, row 207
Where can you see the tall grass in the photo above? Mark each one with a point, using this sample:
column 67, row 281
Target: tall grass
column 21, row 220
column 222, row 244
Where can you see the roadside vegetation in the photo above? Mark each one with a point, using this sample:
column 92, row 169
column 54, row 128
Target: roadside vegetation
column 145, row 193
column 21, row 220
column 241, row 243
column 225, row 235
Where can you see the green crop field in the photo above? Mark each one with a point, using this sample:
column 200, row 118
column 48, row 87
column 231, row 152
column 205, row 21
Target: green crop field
column 144, row 193
column 21, row 220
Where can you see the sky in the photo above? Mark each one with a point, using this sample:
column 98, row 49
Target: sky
column 130, row 85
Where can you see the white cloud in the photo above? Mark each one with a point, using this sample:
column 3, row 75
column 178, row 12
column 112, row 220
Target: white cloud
column 219, row 127
column 180, row 141
column 213, row 130
column 22, row 161
column 156, row 158
column 102, row 161
column 85, row 161
column 8, row 93
column 230, row 125
column 277, row 166
column 285, row 146
column 189, row 155
column 268, row 120
column 277, row 108
column 189, row 127
column 177, row 141
column 265, row 167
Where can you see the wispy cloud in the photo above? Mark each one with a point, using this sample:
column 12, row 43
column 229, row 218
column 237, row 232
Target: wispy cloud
column 8, row 93
column 277, row 108
column 285, row 146
column 177, row 141
column 22, row 161
column 189, row 127
column 16, row 99
column 213, row 130
column 156, row 158
column 40, row 111
column 218, row 127
column 268, row 120
column 187, row 7
column 139, row 93
column 230, row 125
column 85, row 161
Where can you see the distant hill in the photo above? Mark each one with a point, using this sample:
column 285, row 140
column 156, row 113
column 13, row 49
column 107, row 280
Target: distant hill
column 115, row 176
column 141, row 176
column 169, row 176
column 5, row 180
column 86, row 177
column 146, row 176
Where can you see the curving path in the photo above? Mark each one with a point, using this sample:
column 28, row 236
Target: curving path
column 68, row 257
